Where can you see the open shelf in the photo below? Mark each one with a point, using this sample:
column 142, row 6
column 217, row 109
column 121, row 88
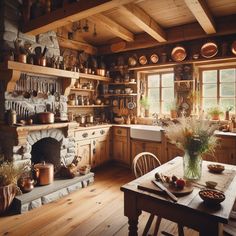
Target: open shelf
column 87, row 106
column 123, row 83
column 39, row 70
column 81, row 89
column 94, row 77
column 119, row 95
column 184, row 81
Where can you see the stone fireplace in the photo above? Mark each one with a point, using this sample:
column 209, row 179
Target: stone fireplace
column 52, row 143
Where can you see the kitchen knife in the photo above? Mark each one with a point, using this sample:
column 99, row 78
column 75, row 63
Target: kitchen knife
column 164, row 189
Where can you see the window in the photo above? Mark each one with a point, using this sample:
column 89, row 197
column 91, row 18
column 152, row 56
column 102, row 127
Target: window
column 219, row 88
column 160, row 90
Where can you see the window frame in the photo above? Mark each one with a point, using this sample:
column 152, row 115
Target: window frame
column 160, row 88
column 218, row 69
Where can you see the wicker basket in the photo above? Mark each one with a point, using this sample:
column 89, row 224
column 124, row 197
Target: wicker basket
column 7, row 194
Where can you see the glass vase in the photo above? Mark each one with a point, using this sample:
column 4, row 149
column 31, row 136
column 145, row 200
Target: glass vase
column 192, row 166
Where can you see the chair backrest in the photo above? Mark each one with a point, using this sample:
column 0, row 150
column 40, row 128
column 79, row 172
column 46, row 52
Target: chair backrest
column 144, row 162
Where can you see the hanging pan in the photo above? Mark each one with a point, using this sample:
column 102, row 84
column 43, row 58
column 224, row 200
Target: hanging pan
column 209, row 50
column 178, row 53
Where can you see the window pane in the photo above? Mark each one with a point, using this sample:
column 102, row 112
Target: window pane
column 209, row 90
column 209, row 76
column 153, row 95
column 167, row 93
column 154, row 81
column 166, row 107
column 167, row 80
column 209, row 102
column 227, row 75
column 227, row 90
column 155, row 107
column 227, row 102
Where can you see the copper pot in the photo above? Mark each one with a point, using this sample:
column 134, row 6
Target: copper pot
column 45, row 117
column 44, row 173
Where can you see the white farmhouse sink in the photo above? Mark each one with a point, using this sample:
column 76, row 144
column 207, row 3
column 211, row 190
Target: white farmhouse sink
column 146, row 132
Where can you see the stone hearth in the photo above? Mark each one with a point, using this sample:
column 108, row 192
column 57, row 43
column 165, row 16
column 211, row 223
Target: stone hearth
column 45, row 194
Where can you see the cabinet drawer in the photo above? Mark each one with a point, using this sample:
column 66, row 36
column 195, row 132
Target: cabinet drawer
column 120, row 131
column 91, row 133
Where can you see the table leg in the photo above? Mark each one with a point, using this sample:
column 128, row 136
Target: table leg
column 131, row 211
column 212, row 230
column 133, row 227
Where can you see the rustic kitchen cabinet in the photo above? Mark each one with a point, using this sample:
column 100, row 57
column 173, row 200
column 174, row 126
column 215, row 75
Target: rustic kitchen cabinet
column 93, row 146
column 121, row 145
column 172, row 151
column 138, row 146
column 225, row 151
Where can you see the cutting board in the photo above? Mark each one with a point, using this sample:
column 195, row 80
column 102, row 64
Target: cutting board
column 149, row 186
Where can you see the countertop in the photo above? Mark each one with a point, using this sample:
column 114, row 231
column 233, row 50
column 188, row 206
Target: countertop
column 221, row 133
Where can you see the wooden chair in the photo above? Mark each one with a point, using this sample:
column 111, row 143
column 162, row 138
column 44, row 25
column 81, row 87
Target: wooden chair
column 143, row 163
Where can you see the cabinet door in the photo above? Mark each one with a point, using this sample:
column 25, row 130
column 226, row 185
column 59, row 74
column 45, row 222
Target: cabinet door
column 84, row 150
column 173, row 151
column 154, row 148
column 224, row 153
column 136, row 148
column 102, row 154
column 121, row 150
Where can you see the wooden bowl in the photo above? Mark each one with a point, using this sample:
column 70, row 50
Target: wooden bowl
column 216, row 168
column 211, row 196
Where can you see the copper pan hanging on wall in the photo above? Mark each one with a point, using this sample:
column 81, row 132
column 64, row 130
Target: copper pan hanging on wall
column 233, row 47
column 178, row 53
column 209, row 50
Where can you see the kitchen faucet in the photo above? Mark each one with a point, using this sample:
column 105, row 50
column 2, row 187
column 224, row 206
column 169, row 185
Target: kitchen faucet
column 155, row 121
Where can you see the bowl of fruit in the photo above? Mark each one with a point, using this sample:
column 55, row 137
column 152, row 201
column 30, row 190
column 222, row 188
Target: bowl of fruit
column 216, row 168
column 211, row 196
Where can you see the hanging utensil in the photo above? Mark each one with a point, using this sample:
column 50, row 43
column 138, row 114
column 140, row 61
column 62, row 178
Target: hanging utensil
column 45, row 95
column 34, row 92
column 26, row 93
column 40, row 92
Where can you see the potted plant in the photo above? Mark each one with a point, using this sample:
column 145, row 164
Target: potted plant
column 9, row 175
column 173, row 109
column 227, row 110
column 215, row 112
column 145, row 104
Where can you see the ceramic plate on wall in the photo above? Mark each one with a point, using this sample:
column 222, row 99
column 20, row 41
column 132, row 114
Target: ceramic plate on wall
column 209, row 50
column 178, row 54
column 154, row 58
column 143, row 60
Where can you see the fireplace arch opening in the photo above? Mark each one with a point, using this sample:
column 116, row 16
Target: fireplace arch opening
column 48, row 150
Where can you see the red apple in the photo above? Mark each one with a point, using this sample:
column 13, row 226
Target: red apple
column 180, row 183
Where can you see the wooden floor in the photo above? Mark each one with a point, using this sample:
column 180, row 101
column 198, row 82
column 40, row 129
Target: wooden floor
column 95, row 210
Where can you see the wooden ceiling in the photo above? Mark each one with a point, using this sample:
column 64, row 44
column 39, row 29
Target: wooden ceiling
column 130, row 24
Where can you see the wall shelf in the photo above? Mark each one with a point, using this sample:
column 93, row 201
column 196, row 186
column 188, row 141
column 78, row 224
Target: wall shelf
column 11, row 72
column 88, row 106
column 119, row 95
column 123, row 83
column 81, row 89
column 201, row 62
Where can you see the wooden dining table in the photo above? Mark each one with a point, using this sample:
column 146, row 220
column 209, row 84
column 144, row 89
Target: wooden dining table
column 189, row 210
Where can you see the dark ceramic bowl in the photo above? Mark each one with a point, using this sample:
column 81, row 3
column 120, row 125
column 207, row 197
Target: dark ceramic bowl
column 211, row 196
